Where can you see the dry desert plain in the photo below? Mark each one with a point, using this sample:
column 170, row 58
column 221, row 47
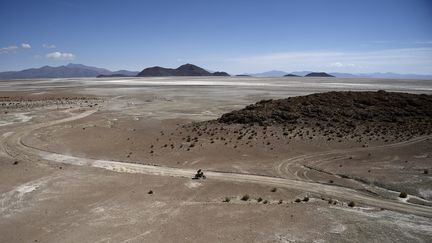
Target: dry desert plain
column 112, row 160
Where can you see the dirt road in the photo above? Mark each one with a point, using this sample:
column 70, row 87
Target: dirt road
column 12, row 144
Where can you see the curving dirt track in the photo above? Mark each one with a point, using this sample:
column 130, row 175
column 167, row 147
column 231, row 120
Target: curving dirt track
column 11, row 143
column 299, row 167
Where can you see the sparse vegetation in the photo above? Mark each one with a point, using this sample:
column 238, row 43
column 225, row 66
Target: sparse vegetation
column 274, row 189
column 227, row 199
column 150, row 192
column 351, row 204
column 403, row 195
column 245, row 197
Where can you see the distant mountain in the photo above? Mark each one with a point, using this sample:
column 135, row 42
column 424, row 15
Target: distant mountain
column 78, row 70
column 115, row 75
column 184, row 70
column 221, row 74
column 69, row 71
column 270, row 74
column 291, row 75
column 156, row 71
column 301, row 73
column 276, row 73
column 319, row 74
column 125, row 73
column 346, row 75
column 371, row 75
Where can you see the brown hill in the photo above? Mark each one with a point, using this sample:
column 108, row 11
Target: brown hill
column 184, row 70
column 319, row 74
column 345, row 110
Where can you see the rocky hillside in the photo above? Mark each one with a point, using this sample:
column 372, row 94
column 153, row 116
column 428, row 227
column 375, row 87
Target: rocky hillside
column 319, row 74
column 344, row 110
column 184, row 70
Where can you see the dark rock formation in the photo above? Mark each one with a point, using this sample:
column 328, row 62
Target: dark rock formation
column 342, row 110
column 191, row 70
column 221, row 74
column 157, row 72
column 184, row 70
column 116, row 75
column 291, row 75
column 317, row 74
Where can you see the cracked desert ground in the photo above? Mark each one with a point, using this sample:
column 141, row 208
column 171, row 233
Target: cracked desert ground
column 110, row 160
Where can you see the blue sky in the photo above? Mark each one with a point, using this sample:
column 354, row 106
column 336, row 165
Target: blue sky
column 234, row 36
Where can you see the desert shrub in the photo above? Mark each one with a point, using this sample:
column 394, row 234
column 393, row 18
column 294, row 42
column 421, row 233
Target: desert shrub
column 403, row 195
column 259, row 199
column 305, row 199
column 351, row 204
column 280, row 201
column 426, row 172
column 297, row 200
column 274, row 189
column 265, row 202
column 150, row 192
column 227, row 199
column 245, row 197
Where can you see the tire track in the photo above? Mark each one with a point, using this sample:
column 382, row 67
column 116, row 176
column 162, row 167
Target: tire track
column 13, row 145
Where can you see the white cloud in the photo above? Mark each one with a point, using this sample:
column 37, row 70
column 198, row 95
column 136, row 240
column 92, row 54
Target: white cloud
column 14, row 48
column 342, row 65
column 60, row 56
column 48, row 46
column 8, row 49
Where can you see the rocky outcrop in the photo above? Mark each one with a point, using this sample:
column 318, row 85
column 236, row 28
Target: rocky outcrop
column 184, row 70
column 319, row 74
column 343, row 110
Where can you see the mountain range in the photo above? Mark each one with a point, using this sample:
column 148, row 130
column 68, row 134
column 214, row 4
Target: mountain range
column 78, row 70
column 277, row 73
column 68, row 71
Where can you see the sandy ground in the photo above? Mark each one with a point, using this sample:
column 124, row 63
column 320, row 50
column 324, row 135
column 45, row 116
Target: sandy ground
column 79, row 157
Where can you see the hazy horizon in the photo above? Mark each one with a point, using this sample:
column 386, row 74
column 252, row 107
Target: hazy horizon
column 236, row 37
